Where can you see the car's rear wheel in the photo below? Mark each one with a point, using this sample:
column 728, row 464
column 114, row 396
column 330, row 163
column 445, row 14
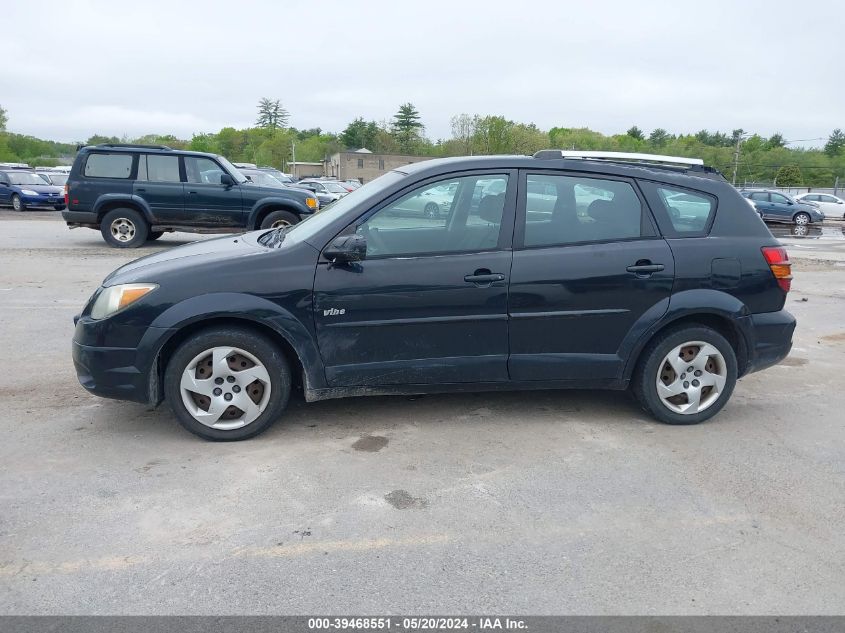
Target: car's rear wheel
column 278, row 219
column 17, row 203
column 124, row 228
column 686, row 375
column 802, row 219
column 227, row 383
column 432, row 210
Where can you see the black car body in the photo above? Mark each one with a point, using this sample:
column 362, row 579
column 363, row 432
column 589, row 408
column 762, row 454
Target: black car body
column 502, row 292
column 777, row 206
column 132, row 193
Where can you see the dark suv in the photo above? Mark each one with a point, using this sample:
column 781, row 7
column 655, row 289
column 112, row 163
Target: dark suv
column 135, row 193
column 569, row 270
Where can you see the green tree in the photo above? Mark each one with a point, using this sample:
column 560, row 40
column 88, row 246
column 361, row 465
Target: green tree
column 4, row 119
column 635, row 132
column 271, row 114
column 789, row 176
column 835, row 143
column 360, row 134
column 775, row 140
column 407, row 128
column 658, row 137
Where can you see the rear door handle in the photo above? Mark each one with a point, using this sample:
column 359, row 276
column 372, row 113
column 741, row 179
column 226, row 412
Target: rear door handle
column 645, row 269
column 192, row 192
column 484, row 278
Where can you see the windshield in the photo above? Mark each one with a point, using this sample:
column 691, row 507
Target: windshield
column 317, row 222
column 25, row 178
column 57, row 179
column 233, row 171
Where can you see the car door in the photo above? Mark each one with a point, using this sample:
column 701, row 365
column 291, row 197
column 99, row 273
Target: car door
column 831, row 206
column 159, row 184
column 5, row 189
column 582, row 276
column 781, row 208
column 429, row 303
column 208, row 202
column 761, row 200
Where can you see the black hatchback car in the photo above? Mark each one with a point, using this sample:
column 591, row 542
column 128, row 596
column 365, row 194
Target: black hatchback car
column 136, row 193
column 568, row 270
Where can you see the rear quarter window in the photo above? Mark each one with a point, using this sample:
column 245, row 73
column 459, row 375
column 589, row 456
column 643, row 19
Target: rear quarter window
column 100, row 165
column 690, row 212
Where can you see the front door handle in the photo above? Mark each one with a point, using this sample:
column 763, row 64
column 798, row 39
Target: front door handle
column 192, row 192
column 483, row 276
column 643, row 268
column 140, row 190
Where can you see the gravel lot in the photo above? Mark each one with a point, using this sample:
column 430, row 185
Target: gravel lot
column 530, row 503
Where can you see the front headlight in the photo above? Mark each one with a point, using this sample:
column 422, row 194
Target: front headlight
column 29, row 192
column 115, row 298
column 312, row 203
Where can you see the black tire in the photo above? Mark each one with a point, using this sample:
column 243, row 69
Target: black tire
column 152, row 236
column 59, row 207
column 261, row 347
column 432, row 210
column 279, row 218
column 133, row 222
column 651, row 361
column 17, row 203
column 802, row 219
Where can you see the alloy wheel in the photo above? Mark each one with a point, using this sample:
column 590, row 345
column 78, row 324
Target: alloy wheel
column 122, row 229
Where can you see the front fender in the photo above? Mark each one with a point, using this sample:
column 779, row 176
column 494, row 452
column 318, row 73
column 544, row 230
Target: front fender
column 245, row 307
column 687, row 303
column 286, row 204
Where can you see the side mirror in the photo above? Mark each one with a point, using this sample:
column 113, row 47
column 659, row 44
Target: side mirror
column 226, row 179
column 346, row 248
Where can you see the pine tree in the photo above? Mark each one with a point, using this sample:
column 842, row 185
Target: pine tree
column 407, row 128
column 271, row 114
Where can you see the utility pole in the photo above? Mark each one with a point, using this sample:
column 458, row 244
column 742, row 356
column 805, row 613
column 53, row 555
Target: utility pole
column 736, row 158
column 293, row 155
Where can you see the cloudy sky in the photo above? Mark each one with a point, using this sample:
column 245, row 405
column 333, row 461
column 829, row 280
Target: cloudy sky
column 183, row 66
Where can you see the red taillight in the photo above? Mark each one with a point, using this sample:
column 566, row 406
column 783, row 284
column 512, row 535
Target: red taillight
column 67, row 195
column 779, row 263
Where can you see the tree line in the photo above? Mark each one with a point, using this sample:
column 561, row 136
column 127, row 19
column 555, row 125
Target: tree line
column 271, row 141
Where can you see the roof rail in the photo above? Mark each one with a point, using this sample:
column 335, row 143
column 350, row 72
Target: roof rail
column 135, row 145
column 550, row 154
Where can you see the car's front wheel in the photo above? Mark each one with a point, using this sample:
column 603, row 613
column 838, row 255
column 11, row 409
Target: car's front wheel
column 124, row 228
column 802, row 219
column 17, row 203
column 686, row 375
column 227, row 383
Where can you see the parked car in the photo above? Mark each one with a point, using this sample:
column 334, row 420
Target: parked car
column 829, row 205
column 431, row 203
column 776, row 206
column 346, row 304
column 56, row 178
column 355, row 184
column 135, row 193
column 277, row 174
column 327, row 190
column 22, row 189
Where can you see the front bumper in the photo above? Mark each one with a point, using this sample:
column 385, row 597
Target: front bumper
column 43, row 201
column 771, row 334
column 123, row 373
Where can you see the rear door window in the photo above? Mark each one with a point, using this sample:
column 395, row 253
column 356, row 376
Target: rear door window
column 100, row 165
column 562, row 210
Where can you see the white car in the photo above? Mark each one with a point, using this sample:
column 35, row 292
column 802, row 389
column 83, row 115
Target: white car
column 830, row 205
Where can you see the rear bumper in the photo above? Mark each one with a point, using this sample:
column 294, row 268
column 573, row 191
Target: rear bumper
column 771, row 334
column 79, row 217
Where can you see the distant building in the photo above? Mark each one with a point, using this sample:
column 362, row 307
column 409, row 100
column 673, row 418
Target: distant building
column 364, row 166
column 301, row 169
